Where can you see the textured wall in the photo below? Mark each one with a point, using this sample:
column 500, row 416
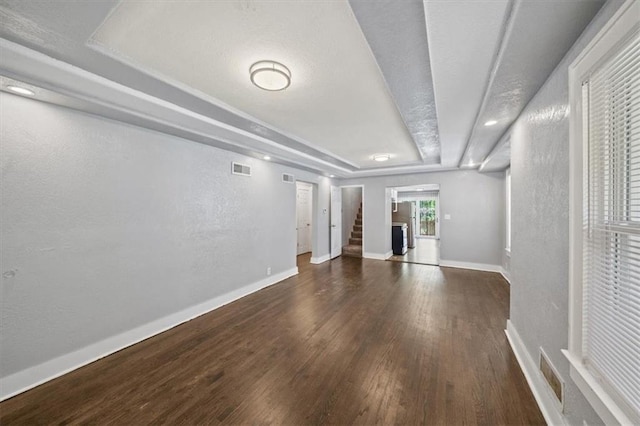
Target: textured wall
column 475, row 201
column 540, row 210
column 106, row 227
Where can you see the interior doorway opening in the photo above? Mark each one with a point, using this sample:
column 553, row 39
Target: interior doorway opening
column 352, row 221
column 347, row 221
column 415, row 224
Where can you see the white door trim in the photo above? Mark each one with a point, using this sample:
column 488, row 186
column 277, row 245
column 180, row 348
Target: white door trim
column 335, row 222
column 309, row 244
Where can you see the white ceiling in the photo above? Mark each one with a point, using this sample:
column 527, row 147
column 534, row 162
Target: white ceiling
column 360, row 81
column 337, row 100
column 537, row 36
column 464, row 37
column 398, row 39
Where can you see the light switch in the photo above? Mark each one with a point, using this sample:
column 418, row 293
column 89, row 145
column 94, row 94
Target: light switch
column 447, row 216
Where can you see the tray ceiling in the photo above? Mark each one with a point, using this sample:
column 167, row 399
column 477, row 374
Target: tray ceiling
column 337, row 100
column 415, row 79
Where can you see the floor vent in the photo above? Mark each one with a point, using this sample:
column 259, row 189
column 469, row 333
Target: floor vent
column 240, row 169
column 552, row 378
column 288, row 178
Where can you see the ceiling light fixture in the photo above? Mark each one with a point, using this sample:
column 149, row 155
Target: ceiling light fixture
column 381, row 157
column 266, row 157
column 491, row 123
column 21, row 90
column 270, row 75
column 332, row 176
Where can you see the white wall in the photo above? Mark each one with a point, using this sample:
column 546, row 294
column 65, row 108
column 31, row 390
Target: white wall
column 475, row 201
column 351, row 199
column 540, row 223
column 111, row 231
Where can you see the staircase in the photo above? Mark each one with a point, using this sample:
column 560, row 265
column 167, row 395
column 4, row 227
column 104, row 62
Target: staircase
column 354, row 249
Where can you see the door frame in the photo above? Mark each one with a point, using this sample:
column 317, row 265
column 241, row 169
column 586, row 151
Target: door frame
column 334, row 189
column 437, row 235
column 315, row 219
column 311, row 214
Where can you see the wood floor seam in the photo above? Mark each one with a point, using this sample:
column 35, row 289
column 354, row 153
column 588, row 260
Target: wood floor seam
column 349, row 341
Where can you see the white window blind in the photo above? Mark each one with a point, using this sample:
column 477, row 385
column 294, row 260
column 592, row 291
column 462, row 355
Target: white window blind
column 611, row 228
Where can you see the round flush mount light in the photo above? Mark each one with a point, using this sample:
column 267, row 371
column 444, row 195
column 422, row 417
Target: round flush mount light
column 270, row 75
column 381, row 157
column 21, row 90
column 491, row 123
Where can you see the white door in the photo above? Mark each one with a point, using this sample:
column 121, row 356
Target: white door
column 336, row 221
column 303, row 214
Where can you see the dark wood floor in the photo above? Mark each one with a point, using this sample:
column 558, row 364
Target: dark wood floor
column 348, row 341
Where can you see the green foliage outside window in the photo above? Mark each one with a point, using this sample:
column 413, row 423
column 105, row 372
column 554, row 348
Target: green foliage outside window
column 427, row 211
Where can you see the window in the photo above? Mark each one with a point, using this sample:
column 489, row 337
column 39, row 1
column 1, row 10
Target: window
column 604, row 342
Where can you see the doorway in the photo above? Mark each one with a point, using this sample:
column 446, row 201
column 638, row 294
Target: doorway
column 347, row 222
column 304, row 217
column 417, row 208
column 428, row 216
column 352, row 218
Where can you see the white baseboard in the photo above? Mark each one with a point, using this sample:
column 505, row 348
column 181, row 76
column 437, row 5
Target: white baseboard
column 470, row 265
column 541, row 392
column 505, row 275
column 321, row 259
column 377, row 256
column 33, row 376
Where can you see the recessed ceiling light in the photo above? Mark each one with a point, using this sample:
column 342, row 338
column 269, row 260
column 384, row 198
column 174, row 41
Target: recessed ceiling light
column 332, row 176
column 21, row 90
column 381, row 157
column 270, row 75
column 419, row 189
column 491, row 123
column 266, row 157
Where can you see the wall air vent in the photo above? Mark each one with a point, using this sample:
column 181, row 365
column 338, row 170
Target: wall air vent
column 288, row 178
column 550, row 374
column 240, row 169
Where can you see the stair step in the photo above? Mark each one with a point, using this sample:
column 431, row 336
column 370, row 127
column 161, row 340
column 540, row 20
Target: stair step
column 357, row 228
column 356, row 234
column 359, row 216
column 352, row 251
column 359, row 222
column 355, row 241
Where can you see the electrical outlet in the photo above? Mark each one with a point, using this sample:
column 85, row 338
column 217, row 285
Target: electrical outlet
column 269, row 271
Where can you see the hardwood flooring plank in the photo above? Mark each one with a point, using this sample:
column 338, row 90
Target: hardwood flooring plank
column 350, row 341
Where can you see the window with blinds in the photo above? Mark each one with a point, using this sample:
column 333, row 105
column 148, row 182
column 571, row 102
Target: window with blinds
column 611, row 226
